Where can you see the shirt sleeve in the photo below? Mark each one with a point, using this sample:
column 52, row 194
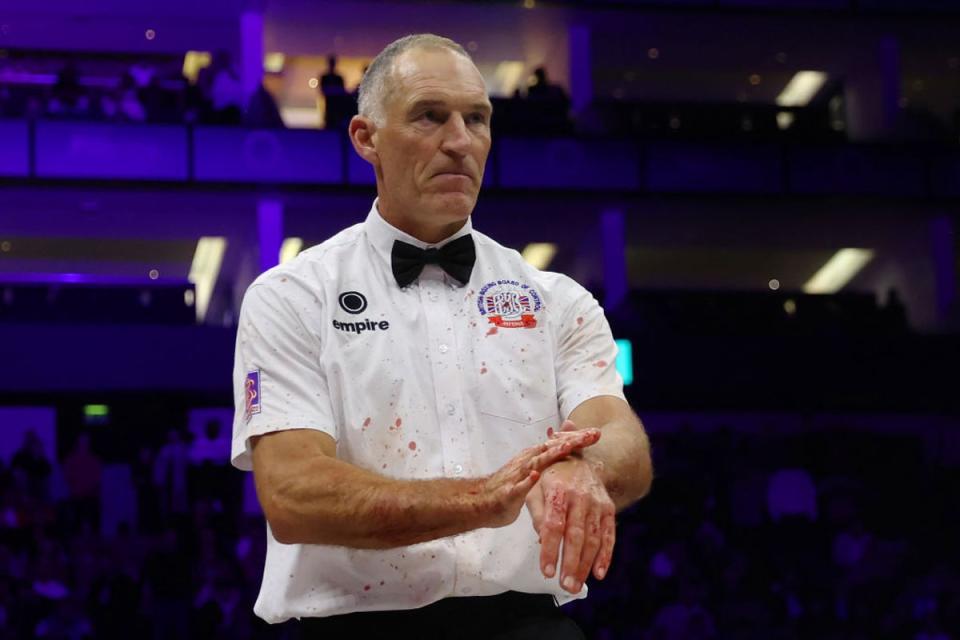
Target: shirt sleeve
column 586, row 354
column 278, row 382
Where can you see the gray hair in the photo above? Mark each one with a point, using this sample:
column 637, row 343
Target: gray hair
column 377, row 82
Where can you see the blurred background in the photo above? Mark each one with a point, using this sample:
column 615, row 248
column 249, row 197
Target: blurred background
column 763, row 194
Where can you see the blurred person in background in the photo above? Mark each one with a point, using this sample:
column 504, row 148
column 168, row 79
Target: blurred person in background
column 220, row 85
column 68, row 98
column 81, row 471
column 170, row 475
column 339, row 106
column 30, row 468
column 262, row 111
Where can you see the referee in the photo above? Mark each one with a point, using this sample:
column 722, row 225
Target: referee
column 437, row 431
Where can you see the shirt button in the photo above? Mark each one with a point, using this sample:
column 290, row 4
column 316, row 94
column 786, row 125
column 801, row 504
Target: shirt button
column 458, row 469
column 433, row 296
column 451, row 409
column 444, row 348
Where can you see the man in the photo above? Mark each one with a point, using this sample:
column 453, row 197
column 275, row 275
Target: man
column 400, row 389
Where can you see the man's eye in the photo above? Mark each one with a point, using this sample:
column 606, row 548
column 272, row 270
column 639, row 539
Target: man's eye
column 430, row 115
column 477, row 118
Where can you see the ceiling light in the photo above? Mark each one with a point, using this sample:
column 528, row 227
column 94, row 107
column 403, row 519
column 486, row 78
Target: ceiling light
column 838, row 271
column 507, row 77
column 193, row 61
column 784, row 119
column 539, row 254
column 205, row 270
column 300, row 117
column 273, row 62
column 801, row 88
column 290, row 249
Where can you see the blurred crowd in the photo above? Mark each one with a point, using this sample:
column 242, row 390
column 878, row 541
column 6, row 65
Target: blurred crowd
column 160, row 93
column 127, row 89
column 828, row 535
column 187, row 563
column 143, row 92
column 832, row 534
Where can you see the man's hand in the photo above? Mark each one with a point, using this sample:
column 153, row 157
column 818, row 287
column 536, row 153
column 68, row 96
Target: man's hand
column 571, row 504
column 508, row 486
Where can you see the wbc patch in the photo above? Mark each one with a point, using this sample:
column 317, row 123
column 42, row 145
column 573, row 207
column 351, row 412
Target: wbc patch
column 252, row 392
column 509, row 304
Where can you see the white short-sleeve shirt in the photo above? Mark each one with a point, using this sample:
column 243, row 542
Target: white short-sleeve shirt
column 433, row 380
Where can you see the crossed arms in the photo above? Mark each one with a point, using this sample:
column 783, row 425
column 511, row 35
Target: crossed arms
column 572, row 484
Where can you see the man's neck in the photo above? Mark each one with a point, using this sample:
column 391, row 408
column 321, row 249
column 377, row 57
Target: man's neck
column 428, row 234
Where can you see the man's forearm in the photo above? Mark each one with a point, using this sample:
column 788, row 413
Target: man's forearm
column 623, row 459
column 361, row 509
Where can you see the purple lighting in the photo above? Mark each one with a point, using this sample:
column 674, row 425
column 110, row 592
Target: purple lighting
column 87, row 278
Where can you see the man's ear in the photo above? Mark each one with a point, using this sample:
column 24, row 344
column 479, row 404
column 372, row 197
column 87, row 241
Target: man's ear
column 362, row 130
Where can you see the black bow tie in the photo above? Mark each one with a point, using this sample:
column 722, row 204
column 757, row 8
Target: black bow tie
column 456, row 258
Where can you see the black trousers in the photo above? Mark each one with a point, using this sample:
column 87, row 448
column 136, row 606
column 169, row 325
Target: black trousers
column 507, row 616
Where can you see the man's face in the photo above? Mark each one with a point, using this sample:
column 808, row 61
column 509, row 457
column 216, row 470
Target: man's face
column 434, row 141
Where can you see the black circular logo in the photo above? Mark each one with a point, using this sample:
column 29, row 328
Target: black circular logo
column 353, row 302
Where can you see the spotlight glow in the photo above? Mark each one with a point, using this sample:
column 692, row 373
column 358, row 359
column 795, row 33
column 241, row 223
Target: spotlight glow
column 838, row 271
column 801, row 88
column 290, row 249
column 273, row 62
column 205, row 270
column 539, row 254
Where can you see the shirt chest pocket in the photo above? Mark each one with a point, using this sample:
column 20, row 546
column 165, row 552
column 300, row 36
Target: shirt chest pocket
column 514, row 375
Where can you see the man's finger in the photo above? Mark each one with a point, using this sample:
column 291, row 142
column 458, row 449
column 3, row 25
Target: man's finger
column 559, row 449
column 524, row 486
column 580, row 438
column 593, row 537
column 535, row 506
column 573, row 538
column 608, row 536
column 551, row 530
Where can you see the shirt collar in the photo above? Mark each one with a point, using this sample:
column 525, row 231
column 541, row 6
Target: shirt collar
column 382, row 234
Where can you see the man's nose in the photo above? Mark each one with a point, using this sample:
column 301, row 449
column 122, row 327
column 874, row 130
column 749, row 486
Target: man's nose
column 456, row 138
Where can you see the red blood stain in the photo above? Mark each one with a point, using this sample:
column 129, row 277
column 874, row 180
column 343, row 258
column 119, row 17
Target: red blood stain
column 412, row 445
column 557, row 501
column 549, row 431
column 600, row 363
column 483, row 370
column 366, row 587
column 381, row 583
column 580, row 320
column 384, row 466
column 398, row 422
column 366, row 422
column 492, row 331
column 283, row 279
